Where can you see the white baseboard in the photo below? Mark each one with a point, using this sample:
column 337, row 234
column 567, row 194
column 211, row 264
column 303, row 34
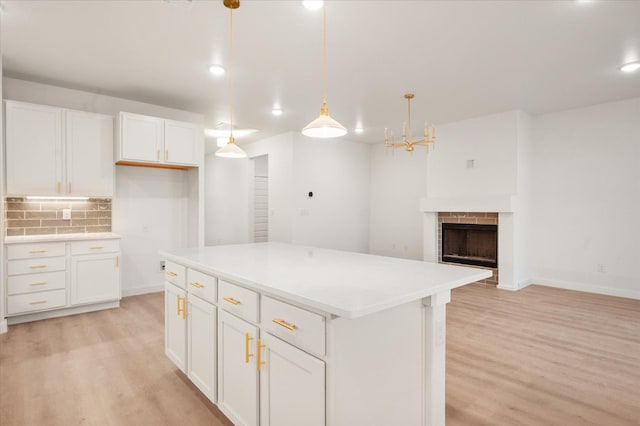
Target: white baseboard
column 519, row 286
column 4, row 327
column 55, row 313
column 142, row 290
column 571, row 285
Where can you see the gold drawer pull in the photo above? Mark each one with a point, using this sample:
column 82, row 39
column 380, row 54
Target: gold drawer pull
column 96, row 247
column 39, row 302
column 38, row 266
column 37, row 251
column 196, row 284
column 232, row 300
column 247, row 355
column 284, row 324
column 40, row 283
column 172, row 274
column 259, row 361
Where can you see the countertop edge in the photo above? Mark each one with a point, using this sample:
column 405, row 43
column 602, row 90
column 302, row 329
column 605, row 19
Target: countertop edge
column 46, row 238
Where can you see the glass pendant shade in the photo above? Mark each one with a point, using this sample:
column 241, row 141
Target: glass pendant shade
column 231, row 150
column 324, row 126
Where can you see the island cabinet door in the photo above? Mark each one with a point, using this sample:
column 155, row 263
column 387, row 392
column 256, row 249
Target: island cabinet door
column 292, row 386
column 237, row 370
column 175, row 325
column 201, row 345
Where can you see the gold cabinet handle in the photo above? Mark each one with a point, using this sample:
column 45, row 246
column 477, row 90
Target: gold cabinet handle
column 247, row 355
column 284, row 324
column 117, row 261
column 38, row 266
column 231, row 300
column 196, row 284
column 39, row 302
column 38, row 283
column 172, row 274
column 259, row 361
column 37, row 251
column 182, row 306
column 96, row 247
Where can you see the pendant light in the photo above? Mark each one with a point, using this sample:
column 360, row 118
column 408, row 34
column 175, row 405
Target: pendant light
column 231, row 150
column 324, row 126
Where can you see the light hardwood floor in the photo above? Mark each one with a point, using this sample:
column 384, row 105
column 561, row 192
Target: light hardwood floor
column 540, row 356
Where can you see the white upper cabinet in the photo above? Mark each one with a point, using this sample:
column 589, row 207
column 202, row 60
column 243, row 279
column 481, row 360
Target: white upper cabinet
column 141, row 138
column 89, row 143
column 33, row 149
column 157, row 142
column 52, row 151
column 180, row 142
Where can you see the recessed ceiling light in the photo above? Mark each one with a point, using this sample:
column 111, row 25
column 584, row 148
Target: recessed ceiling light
column 277, row 112
column 358, row 130
column 630, row 67
column 216, row 69
column 313, row 4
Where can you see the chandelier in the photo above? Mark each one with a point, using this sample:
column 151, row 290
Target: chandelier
column 407, row 142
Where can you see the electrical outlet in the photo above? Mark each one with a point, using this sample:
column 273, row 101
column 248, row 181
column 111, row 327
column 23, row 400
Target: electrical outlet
column 163, row 265
column 66, row 214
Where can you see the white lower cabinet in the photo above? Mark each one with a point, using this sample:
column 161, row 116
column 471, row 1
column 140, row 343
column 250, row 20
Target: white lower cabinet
column 237, row 369
column 175, row 325
column 201, row 345
column 292, row 386
column 95, row 278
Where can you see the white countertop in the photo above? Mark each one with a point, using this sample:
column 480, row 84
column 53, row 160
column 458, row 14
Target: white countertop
column 342, row 283
column 60, row 237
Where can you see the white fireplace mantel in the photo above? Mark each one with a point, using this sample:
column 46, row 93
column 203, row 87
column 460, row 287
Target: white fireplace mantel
column 484, row 203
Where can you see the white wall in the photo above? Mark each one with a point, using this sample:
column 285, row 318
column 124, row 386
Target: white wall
column 337, row 172
column 226, row 200
column 152, row 208
column 523, row 225
column 489, row 141
column 3, row 322
column 586, row 199
column 398, row 182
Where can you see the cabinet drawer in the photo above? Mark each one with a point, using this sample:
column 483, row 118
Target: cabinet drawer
column 297, row 326
column 95, row 246
column 238, row 300
column 32, row 283
column 202, row 285
column 33, row 266
column 23, row 303
column 35, row 250
column 175, row 274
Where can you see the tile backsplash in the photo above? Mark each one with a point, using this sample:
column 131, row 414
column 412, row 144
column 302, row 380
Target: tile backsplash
column 37, row 217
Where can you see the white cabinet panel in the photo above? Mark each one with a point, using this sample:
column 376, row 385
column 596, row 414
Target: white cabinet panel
column 94, row 246
column 31, row 283
column 201, row 346
column 35, row 250
column 31, row 302
column 141, row 138
column 237, row 372
column 33, row 266
column 180, row 142
column 238, row 300
column 202, row 285
column 292, row 386
column 95, row 278
column 89, row 145
column 175, row 325
column 33, row 149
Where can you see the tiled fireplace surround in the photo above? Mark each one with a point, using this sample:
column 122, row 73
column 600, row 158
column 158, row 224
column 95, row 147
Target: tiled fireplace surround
column 38, row 217
column 475, row 218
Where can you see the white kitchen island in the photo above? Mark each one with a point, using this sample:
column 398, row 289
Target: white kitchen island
column 286, row 335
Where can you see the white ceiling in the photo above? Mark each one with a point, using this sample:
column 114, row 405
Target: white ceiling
column 462, row 59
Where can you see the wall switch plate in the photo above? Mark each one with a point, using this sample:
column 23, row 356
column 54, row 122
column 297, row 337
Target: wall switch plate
column 66, row 214
column 471, row 164
column 163, row 265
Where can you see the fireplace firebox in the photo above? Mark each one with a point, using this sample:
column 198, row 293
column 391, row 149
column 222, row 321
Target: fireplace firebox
column 470, row 244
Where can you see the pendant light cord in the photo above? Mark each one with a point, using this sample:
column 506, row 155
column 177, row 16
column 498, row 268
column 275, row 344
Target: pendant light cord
column 324, row 54
column 231, row 94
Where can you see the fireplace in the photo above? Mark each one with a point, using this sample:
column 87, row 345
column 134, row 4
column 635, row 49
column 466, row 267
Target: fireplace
column 470, row 244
